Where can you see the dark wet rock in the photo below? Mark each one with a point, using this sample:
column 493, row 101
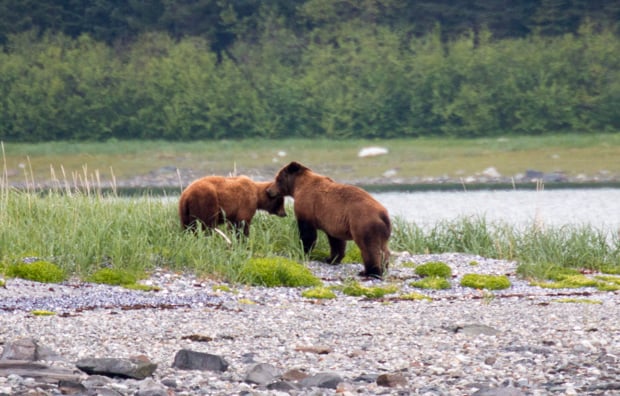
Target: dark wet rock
column 113, row 367
column 322, row 380
column 186, row 359
column 262, row 374
column 391, row 380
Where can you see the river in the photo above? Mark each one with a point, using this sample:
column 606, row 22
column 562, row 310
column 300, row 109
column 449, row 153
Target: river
column 599, row 208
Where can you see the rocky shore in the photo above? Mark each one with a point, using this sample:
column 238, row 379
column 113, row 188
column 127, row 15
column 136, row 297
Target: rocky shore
column 197, row 337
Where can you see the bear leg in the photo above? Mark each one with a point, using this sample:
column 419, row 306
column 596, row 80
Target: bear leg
column 337, row 247
column 307, row 233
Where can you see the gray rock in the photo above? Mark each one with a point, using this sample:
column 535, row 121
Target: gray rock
column 21, row 349
column 499, row 392
column 113, row 367
column 262, row 374
column 322, row 380
column 148, row 387
column 186, row 359
column 475, row 329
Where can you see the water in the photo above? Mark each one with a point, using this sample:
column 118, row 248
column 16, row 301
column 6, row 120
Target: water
column 598, row 208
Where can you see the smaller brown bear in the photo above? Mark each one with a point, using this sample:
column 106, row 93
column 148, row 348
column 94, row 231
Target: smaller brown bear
column 213, row 200
column 342, row 211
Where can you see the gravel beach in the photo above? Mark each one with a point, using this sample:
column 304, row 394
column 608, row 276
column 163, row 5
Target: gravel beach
column 520, row 341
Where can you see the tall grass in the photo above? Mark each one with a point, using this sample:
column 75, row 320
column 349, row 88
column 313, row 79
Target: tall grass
column 83, row 233
column 82, row 230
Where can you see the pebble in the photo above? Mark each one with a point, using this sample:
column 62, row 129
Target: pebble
column 520, row 342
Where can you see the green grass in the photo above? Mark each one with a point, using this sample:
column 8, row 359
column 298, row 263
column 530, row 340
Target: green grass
column 82, row 234
column 571, row 153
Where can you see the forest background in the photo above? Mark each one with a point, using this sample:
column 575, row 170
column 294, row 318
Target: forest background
column 212, row 69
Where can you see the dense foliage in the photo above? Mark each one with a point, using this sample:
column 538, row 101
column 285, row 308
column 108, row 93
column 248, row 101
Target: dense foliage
column 185, row 70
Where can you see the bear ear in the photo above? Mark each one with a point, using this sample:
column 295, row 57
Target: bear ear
column 294, row 167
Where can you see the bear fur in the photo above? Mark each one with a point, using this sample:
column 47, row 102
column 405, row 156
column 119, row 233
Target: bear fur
column 213, row 200
column 342, row 211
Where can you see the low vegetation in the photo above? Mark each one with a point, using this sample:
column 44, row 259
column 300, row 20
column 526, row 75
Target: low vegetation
column 487, row 282
column 77, row 233
column 434, row 269
column 432, row 282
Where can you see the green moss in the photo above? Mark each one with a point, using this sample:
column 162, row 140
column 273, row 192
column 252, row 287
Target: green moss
column 432, row 282
column 277, row 271
column 319, row 293
column 436, row 269
column 356, row 290
column 608, row 278
column 489, row 282
column 111, row 276
column 612, row 270
column 415, row 296
column 474, row 263
column 607, row 286
column 2, row 283
column 38, row 271
column 569, row 282
column 42, row 312
column 578, row 300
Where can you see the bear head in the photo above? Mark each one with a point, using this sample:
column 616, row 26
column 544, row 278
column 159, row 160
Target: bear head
column 284, row 183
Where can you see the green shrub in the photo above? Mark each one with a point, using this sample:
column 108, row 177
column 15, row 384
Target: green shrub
column 277, row 271
column 489, row 282
column 319, row 293
column 436, row 269
column 432, row 282
column 38, row 271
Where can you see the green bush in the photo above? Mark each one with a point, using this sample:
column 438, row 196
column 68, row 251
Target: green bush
column 277, row 271
column 38, row 271
column 435, row 269
column 489, row 282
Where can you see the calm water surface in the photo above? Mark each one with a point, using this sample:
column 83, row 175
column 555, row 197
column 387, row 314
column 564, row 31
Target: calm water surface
column 599, row 208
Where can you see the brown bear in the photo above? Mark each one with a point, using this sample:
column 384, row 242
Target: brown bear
column 343, row 212
column 213, row 200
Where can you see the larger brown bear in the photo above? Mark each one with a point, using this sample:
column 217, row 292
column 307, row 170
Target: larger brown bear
column 343, row 212
column 213, row 200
